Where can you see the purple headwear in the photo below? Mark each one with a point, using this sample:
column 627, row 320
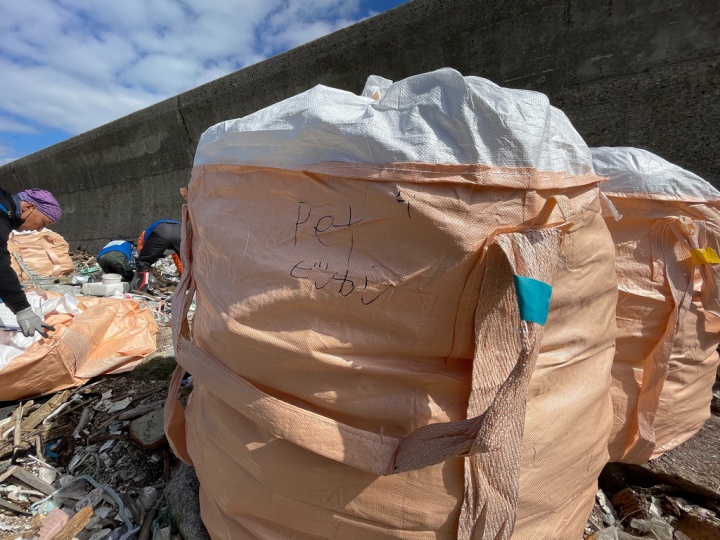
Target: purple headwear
column 43, row 201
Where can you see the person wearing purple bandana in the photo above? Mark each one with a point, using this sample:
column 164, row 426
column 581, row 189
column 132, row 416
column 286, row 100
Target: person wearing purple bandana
column 29, row 210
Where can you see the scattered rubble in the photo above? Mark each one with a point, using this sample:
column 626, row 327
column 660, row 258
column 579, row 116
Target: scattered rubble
column 75, row 451
column 85, row 264
column 165, row 276
column 659, row 512
column 165, row 272
column 674, row 497
column 96, row 454
column 93, row 463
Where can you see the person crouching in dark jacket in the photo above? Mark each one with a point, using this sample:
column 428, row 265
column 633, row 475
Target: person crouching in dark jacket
column 160, row 238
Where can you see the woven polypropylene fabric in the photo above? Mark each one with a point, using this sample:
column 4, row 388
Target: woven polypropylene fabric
column 44, row 253
column 668, row 317
column 361, row 367
column 392, row 355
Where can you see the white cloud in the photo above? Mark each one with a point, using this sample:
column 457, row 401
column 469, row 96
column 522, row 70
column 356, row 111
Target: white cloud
column 12, row 126
column 162, row 73
column 76, row 64
column 56, row 99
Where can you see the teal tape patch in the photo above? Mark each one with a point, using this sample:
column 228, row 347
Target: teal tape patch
column 533, row 299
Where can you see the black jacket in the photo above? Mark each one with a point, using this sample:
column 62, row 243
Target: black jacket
column 10, row 289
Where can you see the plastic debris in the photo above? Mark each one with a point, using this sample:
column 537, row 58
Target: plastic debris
column 53, row 524
column 657, row 528
column 92, row 499
column 610, row 517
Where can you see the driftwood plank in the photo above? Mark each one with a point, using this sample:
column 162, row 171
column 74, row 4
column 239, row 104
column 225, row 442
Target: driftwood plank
column 75, row 525
column 10, row 506
column 143, row 409
column 8, row 473
column 33, row 481
column 18, row 422
column 37, row 416
column 46, row 432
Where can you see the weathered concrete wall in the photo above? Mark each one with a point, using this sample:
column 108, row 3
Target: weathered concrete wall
column 642, row 73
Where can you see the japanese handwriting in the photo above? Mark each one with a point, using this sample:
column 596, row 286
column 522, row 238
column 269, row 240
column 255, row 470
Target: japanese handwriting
column 342, row 279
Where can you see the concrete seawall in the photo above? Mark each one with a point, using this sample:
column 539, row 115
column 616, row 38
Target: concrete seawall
column 627, row 72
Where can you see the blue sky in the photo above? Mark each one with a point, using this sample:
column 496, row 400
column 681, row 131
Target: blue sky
column 71, row 65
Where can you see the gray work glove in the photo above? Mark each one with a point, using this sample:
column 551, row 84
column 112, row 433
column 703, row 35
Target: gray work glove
column 30, row 323
column 140, row 282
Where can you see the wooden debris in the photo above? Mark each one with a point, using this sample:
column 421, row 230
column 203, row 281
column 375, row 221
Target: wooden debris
column 33, row 481
column 628, row 504
column 89, row 403
column 34, row 419
column 55, row 413
column 18, row 425
column 84, row 419
column 692, row 466
column 76, row 524
column 46, row 432
column 5, row 422
column 17, row 436
column 10, row 506
column 143, row 409
column 699, row 527
column 142, row 395
column 15, row 536
column 146, row 530
column 99, row 429
column 39, row 448
column 8, row 473
column 15, row 419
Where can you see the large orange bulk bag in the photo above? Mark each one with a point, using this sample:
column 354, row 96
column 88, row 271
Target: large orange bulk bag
column 92, row 337
column 668, row 325
column 44, row 253
column 382, row 282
